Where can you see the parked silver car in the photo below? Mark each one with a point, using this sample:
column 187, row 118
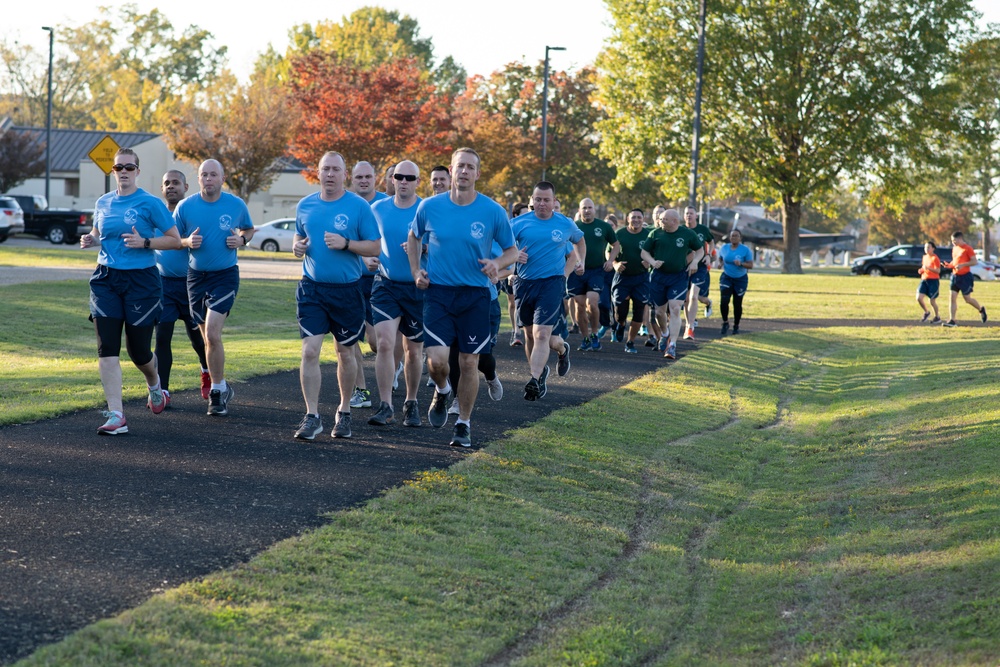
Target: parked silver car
column 274, row 236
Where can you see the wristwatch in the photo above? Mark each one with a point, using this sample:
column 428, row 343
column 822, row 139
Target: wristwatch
column 242, row 236
column 145, row 243
column 347, row 244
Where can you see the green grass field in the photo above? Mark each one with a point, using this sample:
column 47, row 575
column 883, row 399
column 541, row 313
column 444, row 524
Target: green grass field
column 822, row 497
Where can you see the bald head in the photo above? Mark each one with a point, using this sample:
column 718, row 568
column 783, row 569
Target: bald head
column 363, row 180
column 406, row 178
column 671, row 220
column 210, row 179
column 587, row 210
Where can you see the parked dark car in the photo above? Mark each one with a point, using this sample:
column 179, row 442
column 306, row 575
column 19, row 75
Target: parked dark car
column 906, row 260
column 57, row 226
column 11, row 218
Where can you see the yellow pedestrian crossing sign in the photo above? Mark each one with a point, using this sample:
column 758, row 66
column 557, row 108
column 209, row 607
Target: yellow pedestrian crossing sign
column 103, row 154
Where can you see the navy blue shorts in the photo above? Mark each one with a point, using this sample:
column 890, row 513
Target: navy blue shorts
column 391, row 299
column 336, row 308
column 931, row 287
column 367, row 285
column 627, row 287
column 174, row 300
column 731, row 285
column 664, row 287
column 539, row 301
column 592, row 280
column 701, row 279
column 458, row 314
column 131, row 295
column 609, row 279
column 962, row 283
column 212, row 290
column 560, row 328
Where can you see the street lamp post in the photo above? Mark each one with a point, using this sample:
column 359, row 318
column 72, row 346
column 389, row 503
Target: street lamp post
column 545, row 106
column 48, row 118
column 695, row 143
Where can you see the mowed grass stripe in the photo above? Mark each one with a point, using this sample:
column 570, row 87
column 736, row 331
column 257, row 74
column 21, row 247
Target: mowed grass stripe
column 856, row 527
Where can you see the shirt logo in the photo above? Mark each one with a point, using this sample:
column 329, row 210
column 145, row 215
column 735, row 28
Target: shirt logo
column 598, row 232
column 680, row 243
column 478, row 230
column 131, row 216
column 340, row 222
column 225, row 222
column 557, row 236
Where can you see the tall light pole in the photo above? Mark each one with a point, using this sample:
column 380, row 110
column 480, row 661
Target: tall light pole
column 48, row 118
column 545, row 106
column 695, row 143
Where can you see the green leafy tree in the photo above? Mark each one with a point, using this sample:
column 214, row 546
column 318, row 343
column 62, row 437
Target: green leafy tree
column 22, row 156
column 107, row 67
column 797, row 96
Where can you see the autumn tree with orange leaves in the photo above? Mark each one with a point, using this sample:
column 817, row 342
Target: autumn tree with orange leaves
column 383, row 114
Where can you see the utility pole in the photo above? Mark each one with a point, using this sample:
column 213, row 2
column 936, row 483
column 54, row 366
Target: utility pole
column 696, row 142
column 545, row 106
column 48, row 118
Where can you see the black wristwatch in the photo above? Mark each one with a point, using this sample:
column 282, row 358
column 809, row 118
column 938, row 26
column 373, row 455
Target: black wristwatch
column 242, row 236
column 347, row 243
column 145, row 243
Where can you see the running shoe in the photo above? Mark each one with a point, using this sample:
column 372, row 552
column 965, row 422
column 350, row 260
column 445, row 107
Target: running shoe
column 531, row 390
column 218, row 401
column 437, row 415
column 309, row 428
column 927, row 316
column 206, row 385
column 157, row 401
column 562, row 366
column 342, row 428
column 689, row 334
column 430, row 382
column 725, row 328
column 949, row 324
column 736, row 329
column 411, row 414
column 166, row 397
column 460, row 436
column 362, row 398
column 651, row 341
column 575, row 329
column 620, row 332
column 630, row 347
column 643, row 331
column 542, row 389
column 595, row 342
column 453, row 407
column 936, row 320
column 982, row 313
column 383, row 417
column 395, row 378
column 603, row 330
column 585, row 345
column 671, row 352
column 664, row 341
column 708, row 310
column 114, row 426
column 494, row 388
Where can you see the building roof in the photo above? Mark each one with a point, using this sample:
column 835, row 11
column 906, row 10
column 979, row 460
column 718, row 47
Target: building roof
column 69, row 147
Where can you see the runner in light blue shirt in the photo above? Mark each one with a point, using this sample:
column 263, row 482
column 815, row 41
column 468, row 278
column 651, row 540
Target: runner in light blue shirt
column 461, row 227
column 737, row 259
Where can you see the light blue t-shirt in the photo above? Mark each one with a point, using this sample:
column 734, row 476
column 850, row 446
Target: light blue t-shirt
column 115, row 215
column 351, row 217
column 545, row 242
column 379, row 196
column 172, row 263
column 730, row 255
column 459, row 236
column 394, row 226
column 215, row 221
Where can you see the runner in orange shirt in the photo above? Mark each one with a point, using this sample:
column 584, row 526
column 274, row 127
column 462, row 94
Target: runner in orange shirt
column 962, row 257
column 930, row 283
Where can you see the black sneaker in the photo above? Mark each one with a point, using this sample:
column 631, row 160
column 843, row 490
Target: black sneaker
column 982, row 313
column 630, row 347
column 620, row 332
column 218, row 401
column 460, row 437
column 438, row 413
column 927, row 316
column 651, row 342
column 411, row 414
column 542, row 389
column 949, row 324
column 311, row 426
column 736, row 329
column 563, row 366
column 342, row 429
column 725, row 328
column 531, row 390
column 383, row 417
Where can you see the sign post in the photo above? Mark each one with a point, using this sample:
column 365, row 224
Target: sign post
column 103, row 155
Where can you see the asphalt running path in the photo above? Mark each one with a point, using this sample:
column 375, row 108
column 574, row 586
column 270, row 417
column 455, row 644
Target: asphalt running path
column 93, row 525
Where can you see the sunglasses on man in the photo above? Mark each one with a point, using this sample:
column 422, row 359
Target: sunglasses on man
column 125, row 167
column 409, row 178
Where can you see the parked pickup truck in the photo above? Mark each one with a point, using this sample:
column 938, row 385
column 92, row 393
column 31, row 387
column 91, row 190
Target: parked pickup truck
column 57, row 226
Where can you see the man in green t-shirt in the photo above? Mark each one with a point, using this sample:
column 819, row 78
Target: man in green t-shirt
column 587, row 280
column 631, row 281
column 701, row 281
column 673, row 253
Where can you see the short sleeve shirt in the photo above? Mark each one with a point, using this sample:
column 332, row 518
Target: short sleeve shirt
column 351, row 217
column 215, row 221
column 115, row 215
column 545, row 243
column 394, row 227
column 672, row 248
column 600, row 236
column 631, row 250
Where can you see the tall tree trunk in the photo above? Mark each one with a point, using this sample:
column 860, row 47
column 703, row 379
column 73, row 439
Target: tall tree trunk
column 987, row 220
column 791, row 214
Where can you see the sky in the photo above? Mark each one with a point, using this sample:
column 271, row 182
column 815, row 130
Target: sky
column 482, row 40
